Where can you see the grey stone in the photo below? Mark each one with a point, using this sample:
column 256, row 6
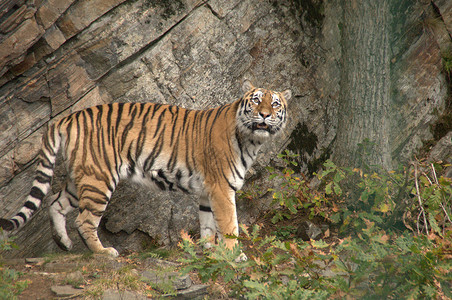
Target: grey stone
column 75, row 278
column 155, row 262
column 108, row 262
column 14, row 45
column 65, row 290
column 177, row 281
column 182, row 282
column 51, row 10
column 197, row 291
column 59, row 267
column 442, row 150
column 120, row 295
column 35, row 260
column 309, row 231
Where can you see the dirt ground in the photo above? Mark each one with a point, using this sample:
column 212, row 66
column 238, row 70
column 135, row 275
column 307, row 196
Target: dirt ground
column 89, row 276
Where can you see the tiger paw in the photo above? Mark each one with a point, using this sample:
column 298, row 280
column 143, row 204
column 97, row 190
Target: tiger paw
column 66, row 244
column 110, row 251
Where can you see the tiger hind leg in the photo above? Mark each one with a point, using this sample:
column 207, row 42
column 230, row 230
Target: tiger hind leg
column 207, row 222
column 93, row 203
column 61, row 204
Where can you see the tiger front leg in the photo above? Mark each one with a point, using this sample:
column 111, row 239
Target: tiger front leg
column 225, row 215
column 60, row 205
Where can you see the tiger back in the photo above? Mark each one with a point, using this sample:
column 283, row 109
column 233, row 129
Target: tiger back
column 165, row 147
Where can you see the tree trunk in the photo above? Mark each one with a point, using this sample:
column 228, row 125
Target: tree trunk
column 365, row 85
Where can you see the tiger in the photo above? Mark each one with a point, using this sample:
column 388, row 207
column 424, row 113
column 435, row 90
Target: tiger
column 165, row 147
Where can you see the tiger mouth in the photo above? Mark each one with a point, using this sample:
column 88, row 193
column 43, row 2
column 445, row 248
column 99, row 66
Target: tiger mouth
column 261, row 126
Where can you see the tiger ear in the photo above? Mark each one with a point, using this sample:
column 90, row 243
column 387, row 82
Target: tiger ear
column 247, row 86
column 287, row 94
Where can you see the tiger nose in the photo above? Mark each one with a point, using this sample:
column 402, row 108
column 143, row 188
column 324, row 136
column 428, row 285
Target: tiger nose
column 264, row 115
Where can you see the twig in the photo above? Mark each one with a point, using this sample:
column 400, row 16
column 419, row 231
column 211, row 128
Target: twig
column 420, row 200
column 428, row 178
column 434, row 173
column 417, row 222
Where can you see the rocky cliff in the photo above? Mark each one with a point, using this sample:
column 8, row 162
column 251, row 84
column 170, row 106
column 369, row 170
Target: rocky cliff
column 59, row 56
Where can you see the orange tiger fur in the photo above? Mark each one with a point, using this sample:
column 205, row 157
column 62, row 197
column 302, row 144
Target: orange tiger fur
column 168, row 147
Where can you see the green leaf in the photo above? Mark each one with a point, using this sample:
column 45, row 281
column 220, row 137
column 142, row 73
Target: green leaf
column 328, row 189
column 364, row 196
column 329, row 164
column 444, row 181
column 336, row 217
column 383, row 207
column 434, row 224
column 337, row 177
column 337, row 189
column 320, row 244
column 254, row 285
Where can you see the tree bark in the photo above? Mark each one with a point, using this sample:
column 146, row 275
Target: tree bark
column 365, row 85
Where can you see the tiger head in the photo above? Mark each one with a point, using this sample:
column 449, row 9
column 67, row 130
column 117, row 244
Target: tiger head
column 262, row 113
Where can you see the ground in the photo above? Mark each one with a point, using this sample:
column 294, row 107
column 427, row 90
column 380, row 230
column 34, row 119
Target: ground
column 89, row 276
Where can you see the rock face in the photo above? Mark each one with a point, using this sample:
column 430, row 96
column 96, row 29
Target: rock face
column 57, row 57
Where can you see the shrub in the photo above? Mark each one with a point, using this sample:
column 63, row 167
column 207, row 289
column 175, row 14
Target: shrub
column 10, row 285
column 294, row 193
column 410, row 197
column 394, row 243
column 274, row 269
column 390, row 266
